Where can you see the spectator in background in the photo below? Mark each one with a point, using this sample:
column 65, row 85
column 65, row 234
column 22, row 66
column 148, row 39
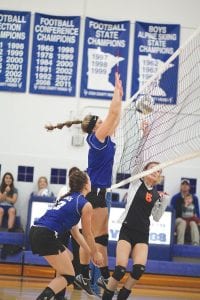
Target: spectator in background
column 178, row 199
column 188, row 219
column 8, row 197
column 43, row 188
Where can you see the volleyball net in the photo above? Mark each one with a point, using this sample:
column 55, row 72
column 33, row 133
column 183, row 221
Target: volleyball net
column 167, row 133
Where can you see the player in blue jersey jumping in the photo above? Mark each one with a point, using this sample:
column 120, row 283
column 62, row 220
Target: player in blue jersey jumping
column 65, row 215
column 100, row 164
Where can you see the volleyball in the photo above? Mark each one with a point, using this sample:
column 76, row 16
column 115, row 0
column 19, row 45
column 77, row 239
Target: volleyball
column 144, row 104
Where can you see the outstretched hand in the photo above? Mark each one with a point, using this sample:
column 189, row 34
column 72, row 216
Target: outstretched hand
column 145, row 127
column 118, row 84
column 163, row 194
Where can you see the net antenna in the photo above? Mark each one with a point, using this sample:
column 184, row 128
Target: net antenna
column 150, row 131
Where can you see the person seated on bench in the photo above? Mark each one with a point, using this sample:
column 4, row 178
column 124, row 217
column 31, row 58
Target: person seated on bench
column 43, row 188
column 177, row 199
column 8, row 197
column 188, row 219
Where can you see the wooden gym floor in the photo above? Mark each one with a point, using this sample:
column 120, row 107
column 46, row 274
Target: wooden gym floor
column 28, row 288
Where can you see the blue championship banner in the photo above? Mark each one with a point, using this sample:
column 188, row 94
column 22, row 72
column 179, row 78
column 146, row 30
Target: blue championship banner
column 14, row 43
column 105, row 52
column 55, row 55
column 154, row 44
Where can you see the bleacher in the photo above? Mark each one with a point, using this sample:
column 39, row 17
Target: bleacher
column 172, row 260
column 159, row 261
column 16, row 237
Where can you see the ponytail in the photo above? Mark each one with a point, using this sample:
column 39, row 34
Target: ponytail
column 61, row 125
column 87, row 125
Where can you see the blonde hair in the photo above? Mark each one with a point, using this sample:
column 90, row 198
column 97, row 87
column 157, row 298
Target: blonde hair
column 44, row 178
column 61, row 125
column 188, row 196
column 84, row 124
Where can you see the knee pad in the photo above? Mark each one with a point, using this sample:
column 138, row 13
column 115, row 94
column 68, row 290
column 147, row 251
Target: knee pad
column 119, row 273
column 69, row 278
column 137, row 271
column 102, row 240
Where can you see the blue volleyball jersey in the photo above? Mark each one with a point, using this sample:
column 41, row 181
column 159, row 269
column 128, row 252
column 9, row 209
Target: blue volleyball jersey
column 100, row 161
column 64, row 215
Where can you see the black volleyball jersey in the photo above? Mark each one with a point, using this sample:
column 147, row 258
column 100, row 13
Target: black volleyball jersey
column 138, row 216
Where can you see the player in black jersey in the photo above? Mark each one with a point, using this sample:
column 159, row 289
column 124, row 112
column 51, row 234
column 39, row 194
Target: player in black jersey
column 143, row 200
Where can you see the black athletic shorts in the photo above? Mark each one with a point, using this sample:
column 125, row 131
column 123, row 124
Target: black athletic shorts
column 97, row 197
column 44, row 241
column 133, row 236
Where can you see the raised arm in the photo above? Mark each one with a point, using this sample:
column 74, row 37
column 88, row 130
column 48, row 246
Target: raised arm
column 160, row 206
column 111, row 121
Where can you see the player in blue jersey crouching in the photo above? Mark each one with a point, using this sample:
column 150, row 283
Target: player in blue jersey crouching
column 65, row 215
